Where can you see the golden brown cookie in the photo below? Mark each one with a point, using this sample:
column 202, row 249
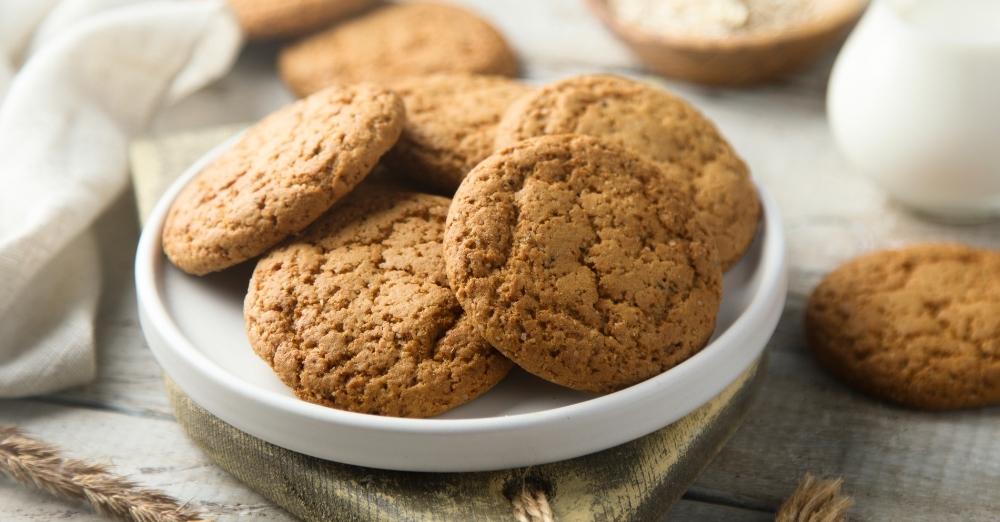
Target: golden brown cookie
column 265, row 19
column 450, row 126
column 583, row 263
column 658, row 126
column 280, row 176
column 357, row 314
column 394, row 42
column 919, row 326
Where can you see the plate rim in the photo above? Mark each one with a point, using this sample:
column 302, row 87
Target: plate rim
column 149, row 264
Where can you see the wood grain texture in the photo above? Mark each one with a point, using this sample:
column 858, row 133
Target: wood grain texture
column 639, row 480
column 157, row 453
column 694, row 510
column 154, row 452
column 898, row 464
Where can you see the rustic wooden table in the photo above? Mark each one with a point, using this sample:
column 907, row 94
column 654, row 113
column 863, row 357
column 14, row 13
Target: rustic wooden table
column 898, row 464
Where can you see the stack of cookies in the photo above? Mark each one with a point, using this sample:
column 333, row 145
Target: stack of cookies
column 416, row 237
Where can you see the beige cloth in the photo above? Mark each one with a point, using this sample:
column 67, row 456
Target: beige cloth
column 78, row 79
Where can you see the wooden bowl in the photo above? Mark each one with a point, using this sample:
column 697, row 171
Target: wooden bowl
column 740, row 59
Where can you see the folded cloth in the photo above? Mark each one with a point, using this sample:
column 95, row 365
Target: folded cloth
column 78, row 79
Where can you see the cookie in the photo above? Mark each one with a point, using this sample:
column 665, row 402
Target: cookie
column 583, row 263
column 450, row 126
column 266, row 19
column 393, row 42
column 658, row 126
column 280, row 176
column 919, row 326
column 357, row 314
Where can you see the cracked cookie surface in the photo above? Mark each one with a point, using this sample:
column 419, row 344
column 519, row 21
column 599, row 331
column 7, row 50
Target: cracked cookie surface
column 450, row 126
column 281, row 175
column 583, row 263
column 357, row 313
column 393, row 42
column 919, row 326
column 658, row 126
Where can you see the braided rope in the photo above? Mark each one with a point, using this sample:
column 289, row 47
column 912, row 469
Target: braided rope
column 532, row 505
column 815, row 500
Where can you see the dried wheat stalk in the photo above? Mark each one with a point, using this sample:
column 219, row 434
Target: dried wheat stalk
column 31, row 462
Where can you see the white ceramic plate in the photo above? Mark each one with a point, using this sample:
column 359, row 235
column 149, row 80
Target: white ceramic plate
column 194, row 326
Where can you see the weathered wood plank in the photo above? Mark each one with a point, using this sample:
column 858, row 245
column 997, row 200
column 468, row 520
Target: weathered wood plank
column 639, row 480
column 157, row 454
column 128, row 377
column 898, row 464
column 555, row 33
column 692, row 510
column 154, row 452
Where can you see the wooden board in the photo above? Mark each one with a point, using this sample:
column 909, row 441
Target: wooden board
column 637, row 481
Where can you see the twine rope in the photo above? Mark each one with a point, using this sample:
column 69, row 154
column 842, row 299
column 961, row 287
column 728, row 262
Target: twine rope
column 815, row 500
column 532, row 505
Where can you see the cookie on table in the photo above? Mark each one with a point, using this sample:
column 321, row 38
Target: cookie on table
column 450, row 126
column 265, row 19
column 919, row 326
column 658, row 126
column 583, row 263
column 357, row 314
column 281, row 175
column 394, row 42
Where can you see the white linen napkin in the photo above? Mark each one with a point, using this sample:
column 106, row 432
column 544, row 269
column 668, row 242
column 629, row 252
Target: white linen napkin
column 78, row 79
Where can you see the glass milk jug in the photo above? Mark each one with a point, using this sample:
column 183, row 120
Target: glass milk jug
column 914, row 102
